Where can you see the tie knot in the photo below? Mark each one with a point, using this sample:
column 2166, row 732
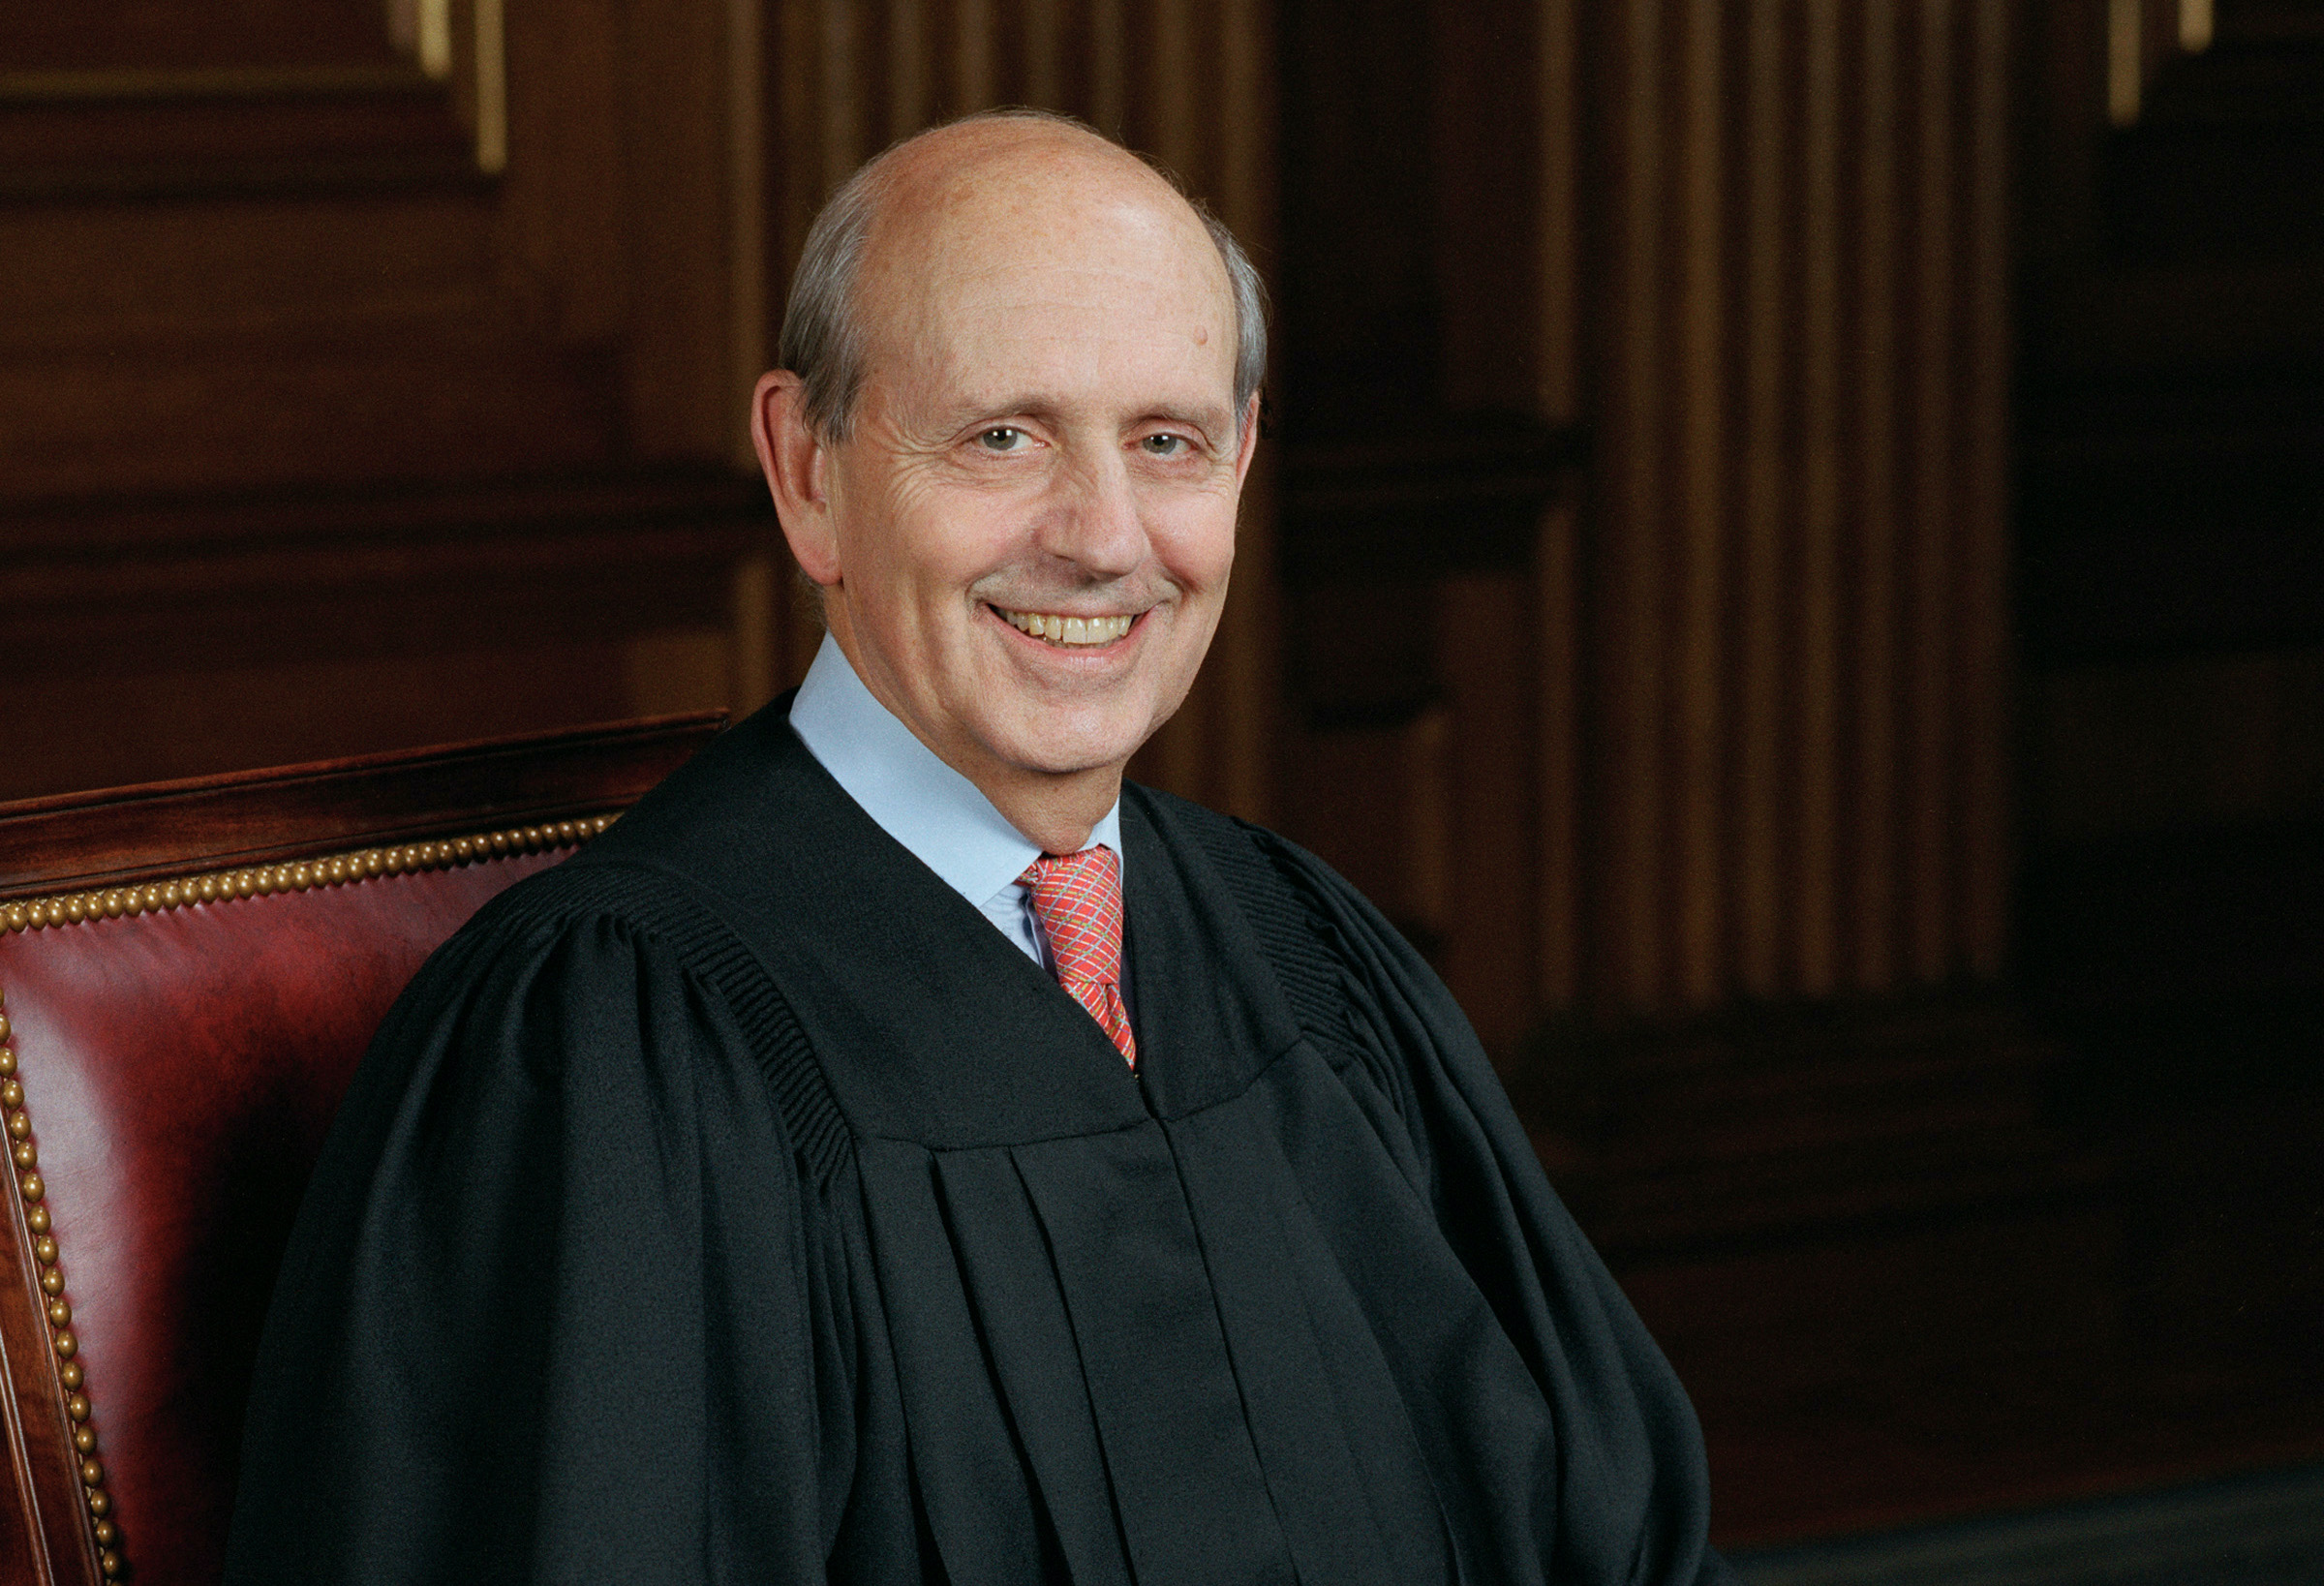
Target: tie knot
column 1077, row 897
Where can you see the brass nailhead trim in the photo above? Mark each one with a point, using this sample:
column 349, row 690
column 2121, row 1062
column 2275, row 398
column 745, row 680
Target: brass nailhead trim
column 112, row 904
column 264, row 880
column 31, row 1196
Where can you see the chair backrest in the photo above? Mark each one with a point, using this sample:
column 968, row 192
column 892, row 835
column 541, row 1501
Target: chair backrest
column 189, row 973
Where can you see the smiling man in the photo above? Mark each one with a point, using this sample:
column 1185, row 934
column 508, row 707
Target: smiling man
column 902, row 1151
column 1013, row 462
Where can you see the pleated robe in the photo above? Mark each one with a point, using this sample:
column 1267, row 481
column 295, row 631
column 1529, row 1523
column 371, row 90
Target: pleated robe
column 734, row 1203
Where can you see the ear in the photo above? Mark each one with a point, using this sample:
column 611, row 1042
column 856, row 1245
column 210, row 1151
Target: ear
column 1246, row 439
column 797, row 466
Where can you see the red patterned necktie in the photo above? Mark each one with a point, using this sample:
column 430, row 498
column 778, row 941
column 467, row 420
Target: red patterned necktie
column 1077, row 897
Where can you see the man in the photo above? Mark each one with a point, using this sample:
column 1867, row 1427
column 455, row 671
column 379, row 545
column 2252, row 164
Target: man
column 810, row 1182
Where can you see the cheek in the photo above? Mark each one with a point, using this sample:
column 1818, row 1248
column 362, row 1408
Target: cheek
column 1195, row 543
column 900, row 551
column 945, row 538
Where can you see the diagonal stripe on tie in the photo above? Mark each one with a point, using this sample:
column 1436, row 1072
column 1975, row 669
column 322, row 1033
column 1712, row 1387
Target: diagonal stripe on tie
column 1078, row 898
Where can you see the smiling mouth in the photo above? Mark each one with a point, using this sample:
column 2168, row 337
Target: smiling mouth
column 1068, row 632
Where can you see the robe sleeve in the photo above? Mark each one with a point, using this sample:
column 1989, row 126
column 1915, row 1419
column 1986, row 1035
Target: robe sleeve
column 1632, row 1501
column 555, row 1308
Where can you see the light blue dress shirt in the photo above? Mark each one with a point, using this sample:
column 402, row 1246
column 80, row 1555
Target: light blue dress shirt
column 922, row 803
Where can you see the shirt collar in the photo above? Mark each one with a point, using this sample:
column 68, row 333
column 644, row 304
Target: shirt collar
column 933, row 810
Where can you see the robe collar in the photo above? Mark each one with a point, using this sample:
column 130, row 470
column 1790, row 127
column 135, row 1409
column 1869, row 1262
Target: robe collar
column 928, row 1023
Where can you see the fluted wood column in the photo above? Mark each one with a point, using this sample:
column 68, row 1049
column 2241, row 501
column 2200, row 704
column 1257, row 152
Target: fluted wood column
column 1187, row 82
column 1793, row 712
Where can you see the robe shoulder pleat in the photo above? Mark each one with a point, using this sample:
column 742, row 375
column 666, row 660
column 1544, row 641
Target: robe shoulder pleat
column 575, row 1254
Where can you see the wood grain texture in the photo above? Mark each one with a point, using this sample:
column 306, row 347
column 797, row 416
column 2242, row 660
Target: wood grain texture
column 1933, row 421
column 1870, row 905
column 1816, row 929
column 1702, row 551
column 1765, row 491
column 1982, row 600
column 1630, row 569
column 1797, row 598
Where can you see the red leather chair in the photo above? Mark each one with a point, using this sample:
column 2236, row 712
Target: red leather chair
column 189, row 972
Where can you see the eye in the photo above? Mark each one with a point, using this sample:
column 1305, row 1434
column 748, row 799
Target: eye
column 1163, row 443
column 1003, row 437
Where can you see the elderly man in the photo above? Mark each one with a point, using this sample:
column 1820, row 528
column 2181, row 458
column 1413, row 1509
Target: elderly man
column 900, row 1151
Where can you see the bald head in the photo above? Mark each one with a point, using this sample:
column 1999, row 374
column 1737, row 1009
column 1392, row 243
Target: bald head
column 936, row 199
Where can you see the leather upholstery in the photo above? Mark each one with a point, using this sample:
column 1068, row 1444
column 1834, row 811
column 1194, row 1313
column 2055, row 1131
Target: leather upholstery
column 179, row 1070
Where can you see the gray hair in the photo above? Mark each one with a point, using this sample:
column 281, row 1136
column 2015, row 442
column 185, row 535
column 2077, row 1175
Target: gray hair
column 823, row 340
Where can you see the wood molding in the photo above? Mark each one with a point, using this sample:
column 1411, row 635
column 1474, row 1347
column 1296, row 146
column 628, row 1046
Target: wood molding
column 221, row 82
column 99, row 587
column 164, row 636
column 1763, row 1126
column 124, row 835
column 1425, row 506
column 65, row 530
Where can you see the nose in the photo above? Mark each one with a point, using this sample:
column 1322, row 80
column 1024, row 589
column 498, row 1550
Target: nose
column 1094, row 521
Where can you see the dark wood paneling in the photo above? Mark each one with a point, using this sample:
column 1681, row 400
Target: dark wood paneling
column 322, row 432
column 1796, row 584
column 1731, row 402
column 179, row 36
column 237, row 265
column 1467, row 499
column 1419, row 653
column 2170, row 492
column 117, row 136
column 179, row 637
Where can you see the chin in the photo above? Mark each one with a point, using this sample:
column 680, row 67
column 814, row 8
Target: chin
column 1087, row 746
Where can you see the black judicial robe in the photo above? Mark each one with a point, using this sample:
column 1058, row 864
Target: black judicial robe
column 734, row 1203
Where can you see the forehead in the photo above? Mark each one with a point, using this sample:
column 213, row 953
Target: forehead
column 1023, row 263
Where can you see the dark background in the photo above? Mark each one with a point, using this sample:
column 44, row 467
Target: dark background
column 1788, row 556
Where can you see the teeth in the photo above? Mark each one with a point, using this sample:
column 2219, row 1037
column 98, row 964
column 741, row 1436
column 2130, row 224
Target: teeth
column 1069, row 630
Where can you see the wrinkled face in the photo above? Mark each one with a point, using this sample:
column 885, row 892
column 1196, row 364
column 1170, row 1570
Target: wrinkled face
column 1034, row 511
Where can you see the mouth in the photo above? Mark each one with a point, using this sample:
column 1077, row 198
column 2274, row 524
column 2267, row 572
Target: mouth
column 1069, row 632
